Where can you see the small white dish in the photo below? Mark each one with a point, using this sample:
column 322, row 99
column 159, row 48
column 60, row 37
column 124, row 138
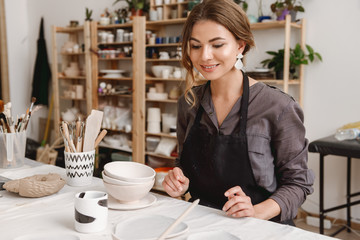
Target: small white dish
column 47, row 236
column 212, row 235
column 112, row 141
column 147, row 201
column 147, row 227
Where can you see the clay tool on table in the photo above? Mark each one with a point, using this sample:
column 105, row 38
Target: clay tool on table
column 178, row 220
column 93, row 125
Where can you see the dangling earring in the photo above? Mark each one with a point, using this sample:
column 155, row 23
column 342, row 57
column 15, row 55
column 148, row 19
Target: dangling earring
column 238, row 64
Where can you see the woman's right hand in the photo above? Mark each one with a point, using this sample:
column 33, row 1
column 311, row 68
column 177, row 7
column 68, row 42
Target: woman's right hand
column 175, row 183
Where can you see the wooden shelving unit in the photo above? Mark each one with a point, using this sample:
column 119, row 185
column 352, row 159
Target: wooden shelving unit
column 79, row 35
column 135, row 63
column 287, row 25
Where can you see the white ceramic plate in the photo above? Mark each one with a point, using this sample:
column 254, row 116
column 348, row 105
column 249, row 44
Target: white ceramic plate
column 147, row 227
column 262, row 70
column 47, row 236
column 112, row 71
column 147, row 201
column 212, row 235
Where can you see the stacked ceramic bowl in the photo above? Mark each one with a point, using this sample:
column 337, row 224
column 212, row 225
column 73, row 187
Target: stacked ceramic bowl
column 128, row 182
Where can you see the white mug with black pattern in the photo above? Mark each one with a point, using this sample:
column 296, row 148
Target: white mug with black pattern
column 91, row 212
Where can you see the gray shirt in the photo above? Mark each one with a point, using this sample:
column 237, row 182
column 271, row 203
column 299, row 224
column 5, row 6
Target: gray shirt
column 276, row 141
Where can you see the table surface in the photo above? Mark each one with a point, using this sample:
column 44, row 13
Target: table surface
column 330, row 145
column 21, row 217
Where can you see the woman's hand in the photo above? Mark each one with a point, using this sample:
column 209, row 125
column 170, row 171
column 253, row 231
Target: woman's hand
column 175, row 183
column 238, row 204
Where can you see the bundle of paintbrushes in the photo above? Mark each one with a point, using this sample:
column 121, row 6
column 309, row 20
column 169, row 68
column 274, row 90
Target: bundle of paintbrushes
column 10, row 125
column 80, row 136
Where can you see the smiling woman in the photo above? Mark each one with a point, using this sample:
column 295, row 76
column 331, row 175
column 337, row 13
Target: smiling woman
column 241, row 142
column 4, row 77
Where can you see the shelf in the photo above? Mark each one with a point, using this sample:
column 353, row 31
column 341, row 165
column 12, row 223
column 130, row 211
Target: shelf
column 164, row 45
column 69, row 29
column 160, row 135
column 163, row 60
column 116, row 59
column 160, row 156
column 115, row 95
column 72, row 54
column 272, row 25
column 116, row 79
column 117, row 130
column 172, row 4
column 116, row 43
column 71, row 78
column 164, row 79
column 111, row 26
column 121, row 148
column 165, row 22
column 73, row 99
column 162, row 101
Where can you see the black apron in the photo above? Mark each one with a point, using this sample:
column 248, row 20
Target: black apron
column 215, row 163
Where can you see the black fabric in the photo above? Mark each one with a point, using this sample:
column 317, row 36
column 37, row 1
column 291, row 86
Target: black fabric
column 330, row 145
column 215, row 163
column 42, row 72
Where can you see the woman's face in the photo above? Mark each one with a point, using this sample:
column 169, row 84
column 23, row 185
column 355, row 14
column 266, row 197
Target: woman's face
column 213, row 49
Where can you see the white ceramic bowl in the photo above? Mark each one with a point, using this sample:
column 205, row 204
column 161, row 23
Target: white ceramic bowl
column 115, row 181
column 158, row 69
column 131, row 193
column 129, row 171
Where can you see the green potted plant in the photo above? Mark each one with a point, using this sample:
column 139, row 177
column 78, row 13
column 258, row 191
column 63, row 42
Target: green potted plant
column 242, row 3
column 137, row 7
column 283, row 7
column 88, row 14
column 297, row 57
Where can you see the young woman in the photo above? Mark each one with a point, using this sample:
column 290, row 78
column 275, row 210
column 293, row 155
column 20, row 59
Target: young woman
column 242, row 143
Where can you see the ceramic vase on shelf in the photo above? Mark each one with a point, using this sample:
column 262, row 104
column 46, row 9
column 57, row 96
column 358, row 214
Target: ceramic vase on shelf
column 73, row 70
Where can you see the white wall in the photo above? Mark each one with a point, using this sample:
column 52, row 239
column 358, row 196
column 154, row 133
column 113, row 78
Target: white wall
column 331, row 87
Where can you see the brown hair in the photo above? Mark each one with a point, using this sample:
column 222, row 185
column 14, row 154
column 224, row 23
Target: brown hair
column 224, row 12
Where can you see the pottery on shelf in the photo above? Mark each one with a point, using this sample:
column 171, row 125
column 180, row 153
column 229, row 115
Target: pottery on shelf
column 73, row 70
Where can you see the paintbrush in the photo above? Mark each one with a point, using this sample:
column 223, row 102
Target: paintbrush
column 33, row 100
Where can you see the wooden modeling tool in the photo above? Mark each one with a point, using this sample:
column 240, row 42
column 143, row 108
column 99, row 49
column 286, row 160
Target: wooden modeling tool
column 93, row 125
column 100, row 137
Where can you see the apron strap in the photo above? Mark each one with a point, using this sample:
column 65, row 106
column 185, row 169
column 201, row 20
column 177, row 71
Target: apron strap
column 201, row 109
column 244, row 105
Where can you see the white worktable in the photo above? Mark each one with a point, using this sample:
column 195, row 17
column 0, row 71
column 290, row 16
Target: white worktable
column 55, row 214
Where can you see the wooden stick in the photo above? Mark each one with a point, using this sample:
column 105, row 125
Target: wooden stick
column 100, row 137
column 178, row 220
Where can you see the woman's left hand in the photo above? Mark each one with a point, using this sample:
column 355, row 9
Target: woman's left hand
column 238, row 204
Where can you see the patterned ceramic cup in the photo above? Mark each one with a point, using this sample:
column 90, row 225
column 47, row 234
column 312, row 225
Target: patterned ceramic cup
column 79, row 168
column 91, row 212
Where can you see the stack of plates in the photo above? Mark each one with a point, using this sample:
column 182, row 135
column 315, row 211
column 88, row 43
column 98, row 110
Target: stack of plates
column 261, row 73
